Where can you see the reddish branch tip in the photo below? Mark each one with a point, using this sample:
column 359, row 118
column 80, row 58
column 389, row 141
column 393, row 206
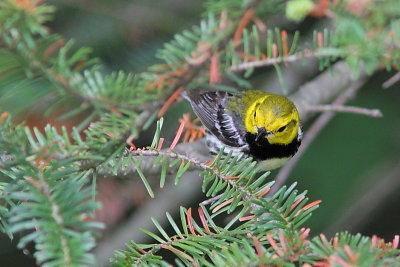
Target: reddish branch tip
column 210, row 163
column 192, row 131
column 160, row 144
column 215, row 75
column 175, row 95
column 28, row 5
column 282, row 240
column 395, row 242
column 259, row 24
column 273, row 244
column 352, row 256
column 304, row 233
column 246, row 218
column 178, row 135
column 335, row 242
column 264, row 192
column 129, row 142
column 231, row 178
column 320, row 40
column 189, row 219
column 274, row 50
column 223, row 204
column 308, row 206
column 297, row 202
column 53, row 47
column 324, row 240
column 285, row 49
column 257, row 246
column 320, row 9
column 3, row 116
column 248, row 15
column 203, row 219
column 312, row 204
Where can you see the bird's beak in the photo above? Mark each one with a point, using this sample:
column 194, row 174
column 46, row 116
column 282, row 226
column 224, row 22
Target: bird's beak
column 261, row 133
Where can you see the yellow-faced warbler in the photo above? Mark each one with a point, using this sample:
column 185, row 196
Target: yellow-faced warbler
column 260, row 125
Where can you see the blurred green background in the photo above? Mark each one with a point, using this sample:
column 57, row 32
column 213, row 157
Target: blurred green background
column 353, row 166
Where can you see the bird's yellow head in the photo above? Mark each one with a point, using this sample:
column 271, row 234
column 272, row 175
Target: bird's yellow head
column 273, row 117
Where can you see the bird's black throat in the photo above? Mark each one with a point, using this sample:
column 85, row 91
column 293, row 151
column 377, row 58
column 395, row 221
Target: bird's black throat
column 263, row 150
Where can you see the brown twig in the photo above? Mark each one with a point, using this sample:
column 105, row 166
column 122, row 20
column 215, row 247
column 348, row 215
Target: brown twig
column 314, row 130
column 349, row 109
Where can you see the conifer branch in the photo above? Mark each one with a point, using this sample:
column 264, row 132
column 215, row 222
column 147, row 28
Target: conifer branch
column 55, row 212
column 46, row 174
column 177, row 240
column 306, row 54
column 247, row 195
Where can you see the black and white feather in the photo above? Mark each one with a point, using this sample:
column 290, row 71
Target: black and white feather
column 225, row 126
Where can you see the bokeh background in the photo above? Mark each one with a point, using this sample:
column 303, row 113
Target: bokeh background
column 353, row 166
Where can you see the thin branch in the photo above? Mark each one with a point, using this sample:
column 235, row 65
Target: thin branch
column 161, row 245
column 312, row 133
column 324, row 88
column 277, row 60
column 391, row 81
column 203, row 166
column 211, row 200
column 349, row 109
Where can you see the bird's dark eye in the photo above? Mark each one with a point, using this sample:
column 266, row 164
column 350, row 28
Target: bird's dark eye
column 282, row 129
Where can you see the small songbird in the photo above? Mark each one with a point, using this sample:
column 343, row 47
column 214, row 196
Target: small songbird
column 258, row 124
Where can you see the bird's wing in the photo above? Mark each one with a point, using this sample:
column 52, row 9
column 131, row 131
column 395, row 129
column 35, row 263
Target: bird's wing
column 211, row 108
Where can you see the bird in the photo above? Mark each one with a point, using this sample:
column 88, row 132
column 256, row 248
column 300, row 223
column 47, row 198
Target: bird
column 253, row 123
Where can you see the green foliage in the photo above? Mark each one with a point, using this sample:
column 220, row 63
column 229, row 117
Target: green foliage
column 362, row 32
column 50, row 199
column 196, row 245
column 355, row 248
column 48, row 179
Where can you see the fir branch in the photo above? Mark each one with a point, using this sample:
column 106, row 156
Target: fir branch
column 285, row 207
column 55, row 213
column 306, row 54
column 46, row 195
column 247, row 195
column 346, row 249
column 49, row 170
column 176, row 240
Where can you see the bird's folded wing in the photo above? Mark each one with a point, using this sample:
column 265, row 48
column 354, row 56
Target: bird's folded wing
column 211, row 109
